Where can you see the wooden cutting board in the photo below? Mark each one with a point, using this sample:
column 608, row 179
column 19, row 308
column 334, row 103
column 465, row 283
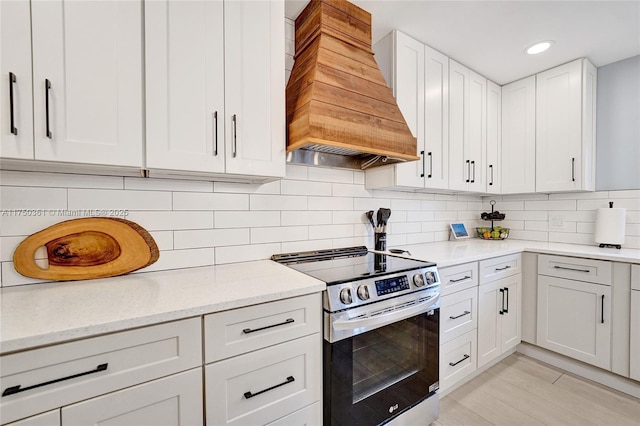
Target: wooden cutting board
column 86, row 248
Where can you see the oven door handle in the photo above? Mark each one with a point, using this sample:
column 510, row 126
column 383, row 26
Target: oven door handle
column 386, row 318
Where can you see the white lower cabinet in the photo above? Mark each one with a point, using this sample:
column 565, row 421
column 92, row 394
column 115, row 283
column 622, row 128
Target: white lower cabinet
column 172, row 401
column 634, row 369
column 458, row 359
column 458, row 314
column 50, row 418
column 308, row 416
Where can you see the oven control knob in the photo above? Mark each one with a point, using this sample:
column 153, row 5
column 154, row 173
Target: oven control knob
column 345, row 296
column 418, row 280
column 363, row 292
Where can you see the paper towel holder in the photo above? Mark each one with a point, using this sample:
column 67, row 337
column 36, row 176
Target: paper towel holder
column 603, row 245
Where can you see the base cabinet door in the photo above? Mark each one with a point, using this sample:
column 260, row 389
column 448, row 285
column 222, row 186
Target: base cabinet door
column 171, row 401
column 50, row 418
column 574, row 319
column 635, row 335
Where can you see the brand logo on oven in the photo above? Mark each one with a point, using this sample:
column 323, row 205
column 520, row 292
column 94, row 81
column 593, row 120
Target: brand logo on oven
column 393, row 408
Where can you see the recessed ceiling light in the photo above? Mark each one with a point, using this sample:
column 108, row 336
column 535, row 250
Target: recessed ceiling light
column 539, row 47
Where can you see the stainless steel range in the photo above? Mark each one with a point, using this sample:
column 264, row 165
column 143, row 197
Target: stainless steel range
column 381, row 335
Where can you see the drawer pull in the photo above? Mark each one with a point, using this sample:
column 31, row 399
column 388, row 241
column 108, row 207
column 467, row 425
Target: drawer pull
column 466, row 277
column 16, row 389
column 461, row 315
column 503, row 269
column 465, row 357
column 249, row 330
column 571, row 269
column 251, row 395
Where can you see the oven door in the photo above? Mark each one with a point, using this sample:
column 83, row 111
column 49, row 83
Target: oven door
column 372, row 377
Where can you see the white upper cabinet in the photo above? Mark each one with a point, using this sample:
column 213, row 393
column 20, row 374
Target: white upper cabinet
column 16, row 117
column 565, row 128
column 494, row 141
column 519, row 136
column 215, row 87
column 419, row 77
column 87, row 79
column 254, row 88
column 467, row 128
column 185, row 85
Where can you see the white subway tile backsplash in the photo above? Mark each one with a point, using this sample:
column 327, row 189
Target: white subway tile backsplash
column 366, row 204
column 297, row 172
column 546, row 205
column 170, row 220
column 632, row 242
column 118, row 199
column 302, row 187
column 246, row 253
column 317, row 232
column 277, row 202
column 26, row 225
column 204, row 201
column 632, row 229
column 635, row 193
column 246, row 219
column 353, row 241
column 358, row 178
column 579, row 196
column 406, row 205
column 11, row 277
column 526, row 215
column 584, row 228
column 163, row 239
column 420, row 237
column 419, row 216
column 144, row 184
column 177, row 259
column 633, row 216
column 8, row 245
column 330, row 203
column 280, row 234
column 198, row 238
column 518, row 234
column 306, row 217
column 434, row 205
column 343, row 217
column 319, row 174
column 571, row 238
column 60, row 180
column 404, row 227
column 380, row 193
column 307, row 245
column 244, row 188
column 503, row 206
column 20, row 198
column 518, row 197
column 350, row 190
column 456, row 205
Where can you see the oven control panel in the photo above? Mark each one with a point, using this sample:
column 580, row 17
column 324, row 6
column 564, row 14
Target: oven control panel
column 369, row 290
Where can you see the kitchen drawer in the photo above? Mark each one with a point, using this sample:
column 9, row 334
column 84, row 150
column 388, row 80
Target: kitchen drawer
column 458, row 314
column 243, row 330
column 573, row 268
column 171, row 401
column 457, row 359
column 459, row 277
column 500, row 267
column 308, row 416
column 58, row 375
column 265, row 385
column 50, row 418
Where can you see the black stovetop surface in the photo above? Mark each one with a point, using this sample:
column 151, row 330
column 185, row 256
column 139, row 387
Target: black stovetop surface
column 348, row 264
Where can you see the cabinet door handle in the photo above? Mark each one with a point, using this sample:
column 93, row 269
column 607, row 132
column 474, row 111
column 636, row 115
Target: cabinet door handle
column 461, row 315
column 573, row 169
column 501, row 312
column 430, row 164
column 47, row 87
column 423, row 164
column 506, row 291
column 466, row 277
column 290, row 379
column 571, row 269
column 503, row 269
column 491, row 170
column 215, row 133
column 602, row 310
column 453, row 364
column 468, row 171
column 17, row 389
column 12, row 79
column 473, row 179
column 234, row 150
column 253, row 330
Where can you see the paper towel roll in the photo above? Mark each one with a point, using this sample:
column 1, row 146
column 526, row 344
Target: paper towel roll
column 610, row 226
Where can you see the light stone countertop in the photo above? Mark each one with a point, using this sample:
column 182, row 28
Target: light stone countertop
column 41, row 314
column 448, row 253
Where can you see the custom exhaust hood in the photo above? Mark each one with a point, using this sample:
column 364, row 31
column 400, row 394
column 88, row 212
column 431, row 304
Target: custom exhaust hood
column 340, row 111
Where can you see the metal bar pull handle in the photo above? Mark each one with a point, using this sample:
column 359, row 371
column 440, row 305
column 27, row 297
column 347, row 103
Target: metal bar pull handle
column 17, row 389
column 453, row 364
column 571, row 269
column 468, row 171
column 501, row 312
column 423, row 164
column 215, row 133
column 503, row 269
column 14, row 129
column 573, row 169
column 47, row 87
column 234, row 150
column 602, row 310
column 473, row 179
column 506, row 292
column 461, row 315
column 430, row 154
column 491, row 170
column 466, row 277
column 253, row 330
column 290, row 379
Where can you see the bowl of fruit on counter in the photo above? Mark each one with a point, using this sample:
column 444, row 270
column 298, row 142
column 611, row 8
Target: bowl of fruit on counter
column 495, row 233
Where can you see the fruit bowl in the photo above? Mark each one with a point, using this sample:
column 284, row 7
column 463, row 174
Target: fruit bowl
column 498, row 233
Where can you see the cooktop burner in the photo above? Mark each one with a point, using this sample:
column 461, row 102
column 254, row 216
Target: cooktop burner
column 336, row 266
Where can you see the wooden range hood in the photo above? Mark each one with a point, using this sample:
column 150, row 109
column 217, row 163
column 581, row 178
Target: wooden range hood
column 338, row 101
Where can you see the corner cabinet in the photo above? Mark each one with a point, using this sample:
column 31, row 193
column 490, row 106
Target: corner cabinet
column 565, row 127
column 215, row 87
column 519, row 136
column 467, row 129
column 87, row 82
column 419, row 77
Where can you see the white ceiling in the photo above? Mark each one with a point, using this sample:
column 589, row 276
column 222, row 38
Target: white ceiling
column 490, row 36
